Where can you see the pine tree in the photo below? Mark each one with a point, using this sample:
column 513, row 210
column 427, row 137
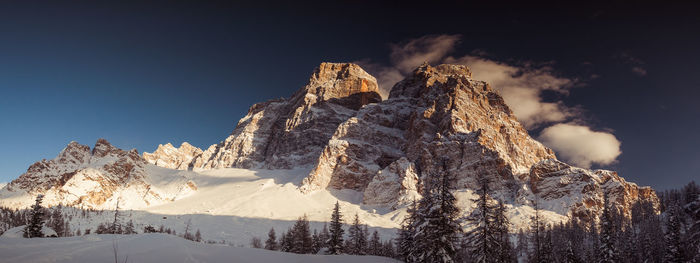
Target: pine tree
column 198, row 236
column 608, row 253
column 56, row 222
column 188, row 227
column 405, row 236
column 693, row 209
column 324, row 236
column 674, row 247
column 546, row 252
column 115, row 227
column 317, row 243
column 536, row 226
column 375, row 244
column 255, row 242
column 36, row 223
column 522, row 246
column 335, row 242
column 286, row 241
column 271, row 242
column 129, row 229
column 502, row 224
column 437, row 236
column 569, row 254
column 483, row 239
column 301, row 237
column 357, row 241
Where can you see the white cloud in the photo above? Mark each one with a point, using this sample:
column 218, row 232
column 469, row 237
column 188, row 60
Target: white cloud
column 580, row 145
column 521, row 86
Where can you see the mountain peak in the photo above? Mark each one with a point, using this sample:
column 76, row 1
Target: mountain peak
column 103, row 148
column 345, row 84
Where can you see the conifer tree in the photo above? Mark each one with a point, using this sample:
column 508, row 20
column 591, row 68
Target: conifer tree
column 357, row 241
column 317, row 243
column 375, row 244
column 522, row 246
column 271, row 242
column 483, row 239
column 324, row 236
column 546, row 252
column 115, row 227
column 607, row 252
column 335, row 241
column 36, row 223
column 188, row 227
column 693, row 208
column 536, row 226
column 502, row 224
column 405, row 235
column 286, row 241
column 198, row 236
column 57, row 223
column 301, row 237
column 129, row 229
column 569, row 254
column 673, row 252
column 437, row 235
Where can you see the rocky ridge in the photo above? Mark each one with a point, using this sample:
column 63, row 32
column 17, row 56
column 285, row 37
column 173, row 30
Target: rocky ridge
column 95, row 178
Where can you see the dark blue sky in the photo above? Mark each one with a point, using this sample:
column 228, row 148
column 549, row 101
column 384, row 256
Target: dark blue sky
column 141, row 74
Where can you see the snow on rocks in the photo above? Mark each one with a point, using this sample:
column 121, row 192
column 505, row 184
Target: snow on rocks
column 96, row 179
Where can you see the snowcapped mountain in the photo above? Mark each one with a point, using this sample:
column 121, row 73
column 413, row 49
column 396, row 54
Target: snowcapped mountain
column 97, row 178
column 335, row 140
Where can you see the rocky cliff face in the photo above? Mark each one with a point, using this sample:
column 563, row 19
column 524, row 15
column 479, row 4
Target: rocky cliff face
column 338, row 126
column 564, row 188
column 287, row 133
column 94, row 178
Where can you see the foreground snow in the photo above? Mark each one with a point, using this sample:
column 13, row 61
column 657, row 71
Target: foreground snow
column 234, row 205
column 146, row 248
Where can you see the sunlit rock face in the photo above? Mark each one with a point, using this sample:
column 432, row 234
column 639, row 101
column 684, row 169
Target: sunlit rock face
column 96, row 178
column 174, row 158
column 584, row 190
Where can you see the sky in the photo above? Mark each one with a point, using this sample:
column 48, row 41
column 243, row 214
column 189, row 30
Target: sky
column 606, row 86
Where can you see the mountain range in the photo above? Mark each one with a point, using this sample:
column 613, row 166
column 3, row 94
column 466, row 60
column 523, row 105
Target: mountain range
column 336, row 139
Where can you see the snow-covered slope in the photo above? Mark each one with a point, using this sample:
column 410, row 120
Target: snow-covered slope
column 145, row 248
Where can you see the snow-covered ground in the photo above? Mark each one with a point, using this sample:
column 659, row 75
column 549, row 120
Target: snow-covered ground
column 234, row 205
column 145, row 248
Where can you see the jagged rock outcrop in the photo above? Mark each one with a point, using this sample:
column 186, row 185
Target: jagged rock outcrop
column 94, row 178
column 287, row 133
column 583, row 190
column 174, row 158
